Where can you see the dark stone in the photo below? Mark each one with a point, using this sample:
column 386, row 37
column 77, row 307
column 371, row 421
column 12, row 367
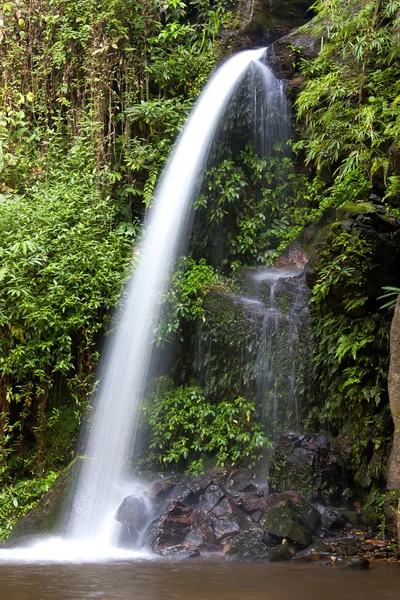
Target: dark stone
column 247, row 546
column 201, row 533
column 306, row 464
column 262, row 22
column 357, row 564
column 316, row 552
column 211, row 497
column 289, row 516
column 134, row 512
column 250, row 502
column 281, row 553
column 330, row 518
column 180, row 551
column 173, row 527
column 224, row 521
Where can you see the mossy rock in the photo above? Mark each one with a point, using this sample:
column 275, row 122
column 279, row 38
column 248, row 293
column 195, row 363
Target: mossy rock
column 281, row 553
column 290, row 517
column 247, row 546
column 48, row 516
column 306, row 464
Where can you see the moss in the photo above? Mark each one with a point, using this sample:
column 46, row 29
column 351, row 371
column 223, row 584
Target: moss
column 355, row 208
column 283, row 521
column 230, row 340
column 293, row 476
column 47, row 517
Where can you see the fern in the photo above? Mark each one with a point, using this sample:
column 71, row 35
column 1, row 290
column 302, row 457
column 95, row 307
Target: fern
column 149, row 186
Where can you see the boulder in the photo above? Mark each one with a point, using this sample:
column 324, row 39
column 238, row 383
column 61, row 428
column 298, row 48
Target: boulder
column 48, row 517
column 290, row 516
column 357, row 564
column 247, row 546
column 316, row 552
column 173, row 527
column 281, row 553
column 331, row 519
column 305, row 463
column 134, row 514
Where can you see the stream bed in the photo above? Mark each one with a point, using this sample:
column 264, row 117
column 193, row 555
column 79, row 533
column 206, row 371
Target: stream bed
column 195, row 580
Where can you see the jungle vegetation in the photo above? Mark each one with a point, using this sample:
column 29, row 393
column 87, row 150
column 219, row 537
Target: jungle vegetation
column 92, row 96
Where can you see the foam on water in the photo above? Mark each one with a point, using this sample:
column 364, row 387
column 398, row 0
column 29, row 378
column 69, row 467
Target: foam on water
column 59, row 550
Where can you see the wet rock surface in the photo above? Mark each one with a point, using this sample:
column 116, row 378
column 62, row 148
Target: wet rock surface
column 232, row 513
column 305, row 463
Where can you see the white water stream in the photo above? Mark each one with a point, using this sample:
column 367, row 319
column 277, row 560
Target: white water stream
column 127, row 360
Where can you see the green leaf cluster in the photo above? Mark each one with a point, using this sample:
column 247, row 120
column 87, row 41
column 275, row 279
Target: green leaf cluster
column 63, row 266
column 186, row 429
column 350, row 101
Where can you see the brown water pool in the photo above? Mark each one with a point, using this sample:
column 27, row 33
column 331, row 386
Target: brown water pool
column 195, row 580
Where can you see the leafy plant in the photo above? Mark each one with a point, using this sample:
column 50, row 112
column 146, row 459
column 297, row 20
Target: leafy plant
column 392, row 293
column 186, row 429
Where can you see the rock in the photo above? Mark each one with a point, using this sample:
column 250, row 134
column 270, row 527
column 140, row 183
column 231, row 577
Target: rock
column 180, row 551
column 291, row 517
column 211, row 497
column 225, row 519
column 357, row 564
column 134, row 514
column 304, row 463
column 261, row 22
column 251, row 502
column 281, row 553
column 247, row 546
column 172, row 529
column 331, row 518
column 316, row 552
column 393, row 470
column 47, row 517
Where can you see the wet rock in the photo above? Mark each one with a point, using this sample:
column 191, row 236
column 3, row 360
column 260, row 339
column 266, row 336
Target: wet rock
column 47, row 517
column 304, row 463
column 180, row 551
column 393, row 470
column 201, row 534
column 250, row 502
column 247, row 546
column 172, row 529
column 357, row 564
column 225, row 519
column 211, row 497
column 291, row 517
column 163, row 492
column 330, row 518
column 134, row 512
column 281, row 553
column 316, row 552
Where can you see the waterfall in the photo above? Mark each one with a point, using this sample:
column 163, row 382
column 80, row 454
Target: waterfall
column 126, row 363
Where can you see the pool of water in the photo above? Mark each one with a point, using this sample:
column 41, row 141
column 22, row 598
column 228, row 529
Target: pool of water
column 195, row 580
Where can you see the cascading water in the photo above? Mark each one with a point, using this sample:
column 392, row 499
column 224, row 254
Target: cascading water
column 126, row 363
column 126, row 366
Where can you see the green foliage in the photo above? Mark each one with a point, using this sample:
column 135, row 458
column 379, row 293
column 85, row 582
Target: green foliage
column 256, row 201
column 17, row 499
column 63, row 267
column 183, row 301
column 350, row 102
column 392, row 293
column 351, row 349
column 186, row 429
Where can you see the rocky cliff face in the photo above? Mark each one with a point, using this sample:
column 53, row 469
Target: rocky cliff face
column 262, row 22
column 393, row 472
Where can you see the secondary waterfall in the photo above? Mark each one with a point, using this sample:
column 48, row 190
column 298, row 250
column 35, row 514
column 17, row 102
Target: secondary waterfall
column 126, row 362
